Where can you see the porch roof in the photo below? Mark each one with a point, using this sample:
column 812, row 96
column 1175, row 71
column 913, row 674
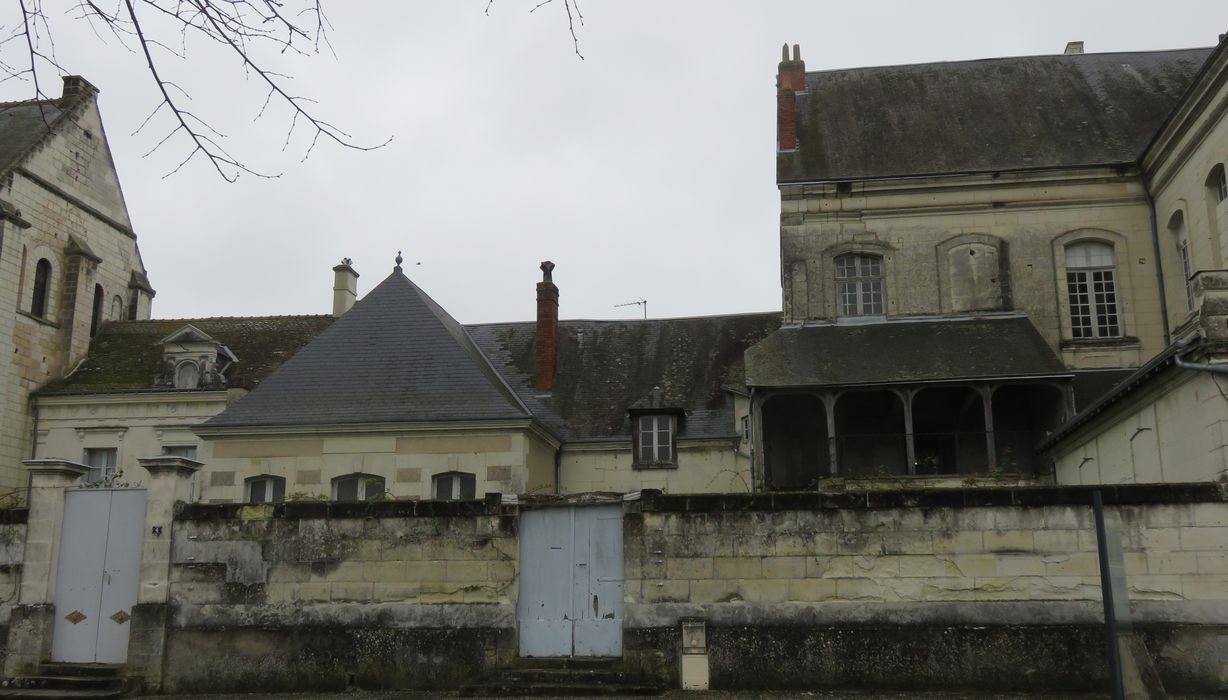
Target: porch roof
column 902, row 351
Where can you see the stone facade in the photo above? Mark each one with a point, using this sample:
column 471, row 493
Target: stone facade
column 67, row 208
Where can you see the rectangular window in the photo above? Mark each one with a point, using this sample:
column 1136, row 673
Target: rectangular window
column 185, row 451
column 655, row 440
column 1093, row 304
column 859, row 285
column 358, row 487
column 101, row 461
column 1221, row 186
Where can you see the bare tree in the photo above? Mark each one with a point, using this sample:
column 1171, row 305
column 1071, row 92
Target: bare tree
column 160, row 30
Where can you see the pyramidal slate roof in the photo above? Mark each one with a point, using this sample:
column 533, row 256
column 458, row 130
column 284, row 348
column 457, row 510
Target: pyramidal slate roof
column 395, row 357
column 990, row 115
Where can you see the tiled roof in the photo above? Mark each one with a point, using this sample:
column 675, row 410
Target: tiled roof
column 395, row 357
column 900, row 351
column 985, row 116
column 24, row 124
column 126, row 356
column 608, row 367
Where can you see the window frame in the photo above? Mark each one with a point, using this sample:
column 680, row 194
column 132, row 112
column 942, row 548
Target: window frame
column 670, row 445
column 458, row 479
column 362, row 490
column 867, row 284
column 274, row 487
column 104, row 471
column 1217, row 184
column 1084, row 279
column 40, row 292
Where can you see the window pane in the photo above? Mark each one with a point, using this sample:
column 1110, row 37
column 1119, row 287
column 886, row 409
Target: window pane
column 443, row 488
column 279, row 489
column 257, row 491
column 374, row 488
column 347, row 489
column 1089, row 254
column 468, row 487
column 186, row 451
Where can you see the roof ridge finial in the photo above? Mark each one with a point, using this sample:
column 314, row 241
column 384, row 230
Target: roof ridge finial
column 399, row 260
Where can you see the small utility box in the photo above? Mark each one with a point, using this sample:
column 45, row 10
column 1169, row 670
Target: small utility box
column 694, row 662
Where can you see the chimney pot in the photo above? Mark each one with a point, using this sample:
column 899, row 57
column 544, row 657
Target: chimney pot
column 345, row 287
column 790, row 80
column 547, row 337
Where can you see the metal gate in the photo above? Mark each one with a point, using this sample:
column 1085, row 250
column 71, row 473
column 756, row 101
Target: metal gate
column 98, row 575
column 571, row 582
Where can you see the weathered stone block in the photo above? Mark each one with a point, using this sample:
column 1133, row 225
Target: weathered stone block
column 858, row 589
column 812, row 590
column 764, row 590
column 383, row 571
column 1009, row 541
column 1194, row 539
column 700, row 568
column 737, row 567
column 1205, row 587
column 948, row 588
column 673, row 591
column 959, row 542
column 907, row 543
column 926, row 566
column 353, row 591
column 714, row 591
column 466, row 571
column 784, row 567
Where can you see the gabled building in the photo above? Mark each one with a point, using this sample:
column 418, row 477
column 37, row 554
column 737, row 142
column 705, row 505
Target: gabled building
column 69, row 260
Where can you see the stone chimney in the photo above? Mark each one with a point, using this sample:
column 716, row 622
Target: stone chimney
column 1073, row 48
column 547, row 327
column 790, row 80
column 345, row 287
column 75, row 86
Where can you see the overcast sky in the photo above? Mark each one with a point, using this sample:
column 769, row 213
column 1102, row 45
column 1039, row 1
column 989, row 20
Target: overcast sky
column 645, row 170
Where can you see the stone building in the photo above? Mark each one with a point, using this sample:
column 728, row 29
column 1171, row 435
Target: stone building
column 69, row 261
column 1002, row 298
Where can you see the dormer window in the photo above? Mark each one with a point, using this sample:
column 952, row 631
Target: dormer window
column 187, row 375
column 655, row 439
column 192, row 359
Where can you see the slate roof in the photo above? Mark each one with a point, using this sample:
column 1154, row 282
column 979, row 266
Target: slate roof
column 901, row 351
column 985, row 116
column 607, row 367
column 126, row 356
column 23, row 125
column 395, row 357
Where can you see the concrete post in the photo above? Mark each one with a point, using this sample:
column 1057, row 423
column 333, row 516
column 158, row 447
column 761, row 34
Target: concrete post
column 32, row 620
column 170, row 480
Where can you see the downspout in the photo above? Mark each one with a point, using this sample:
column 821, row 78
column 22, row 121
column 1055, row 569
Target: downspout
column 33, row 444
column 1155, row 245
column 558, row 470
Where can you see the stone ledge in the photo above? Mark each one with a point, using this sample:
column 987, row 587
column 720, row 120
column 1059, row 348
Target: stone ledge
column 350, row 615
column 654, row 501
column 291, row 510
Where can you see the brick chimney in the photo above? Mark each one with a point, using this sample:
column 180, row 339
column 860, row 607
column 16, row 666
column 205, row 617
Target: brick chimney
column 790, row 80
column 345, row 287
column 547, row 327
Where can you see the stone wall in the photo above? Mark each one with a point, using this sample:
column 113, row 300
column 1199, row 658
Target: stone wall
column 983, row 588
column 990, row 588
column 12, row 552
column 325, row 595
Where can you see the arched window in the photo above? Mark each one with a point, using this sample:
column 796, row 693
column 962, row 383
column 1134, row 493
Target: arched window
column 1091, row 283
column 264, row 489
column 1181, row 239
column 1217, row 185
column 187, row 375
column 96, row 315
column 42, row 288
column 454, row 486
column 358, row 487
column 859, row 285
column 117, row 308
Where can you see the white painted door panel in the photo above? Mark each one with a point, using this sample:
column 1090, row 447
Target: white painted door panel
column 571, row 585
column 98, row 574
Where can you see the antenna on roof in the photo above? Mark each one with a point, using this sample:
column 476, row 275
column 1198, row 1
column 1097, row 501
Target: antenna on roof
column 641, row 302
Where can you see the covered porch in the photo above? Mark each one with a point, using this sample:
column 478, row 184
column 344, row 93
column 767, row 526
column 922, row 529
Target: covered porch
column 903, row 398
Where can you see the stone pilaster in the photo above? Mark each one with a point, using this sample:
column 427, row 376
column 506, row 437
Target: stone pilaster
column 169, row 482
column 30, row 627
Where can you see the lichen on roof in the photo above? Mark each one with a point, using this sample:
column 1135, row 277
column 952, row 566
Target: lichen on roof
column 126, row 356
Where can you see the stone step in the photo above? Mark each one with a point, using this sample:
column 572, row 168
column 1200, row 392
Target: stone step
column 57, row 668
column 498, row 689
column 586, row 676
column 577, row 662
column 70, row 682
column 58, row 694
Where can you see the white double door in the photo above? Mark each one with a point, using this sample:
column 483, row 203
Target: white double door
column 98, row 575
column 571, row 581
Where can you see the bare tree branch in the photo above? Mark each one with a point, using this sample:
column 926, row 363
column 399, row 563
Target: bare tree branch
column 246, row 29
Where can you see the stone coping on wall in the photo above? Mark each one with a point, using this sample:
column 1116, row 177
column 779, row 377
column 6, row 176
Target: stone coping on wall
column 291, row 510
column 972, row 497
column 1005, row 612
column 383, row 615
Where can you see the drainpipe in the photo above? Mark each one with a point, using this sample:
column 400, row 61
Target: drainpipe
column 33, row 444
column 1155, row 245
column 558, row 470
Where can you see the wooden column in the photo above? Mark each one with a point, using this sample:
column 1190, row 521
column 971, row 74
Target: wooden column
column 909, row 448
column 829, row 408
column 990, row 444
